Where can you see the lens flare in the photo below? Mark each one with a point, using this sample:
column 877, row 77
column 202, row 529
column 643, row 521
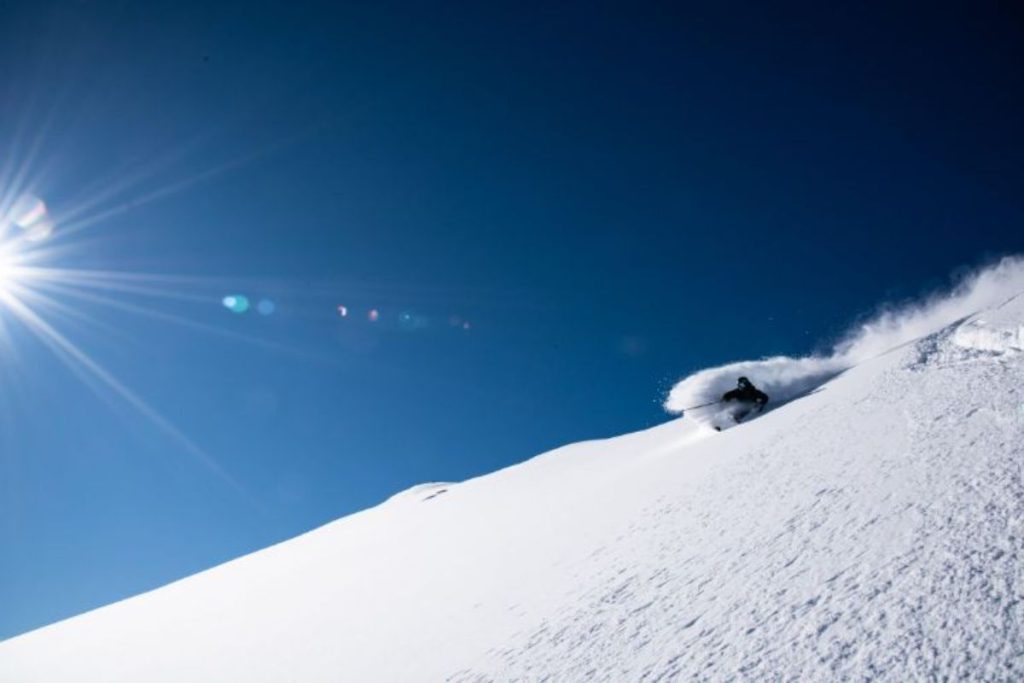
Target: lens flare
column 236, row 303
column 29, row 213
column 39, row 230
column 412, row 322
column 27, row 210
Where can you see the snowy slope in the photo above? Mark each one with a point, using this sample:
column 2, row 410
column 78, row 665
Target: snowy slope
column 872, row 528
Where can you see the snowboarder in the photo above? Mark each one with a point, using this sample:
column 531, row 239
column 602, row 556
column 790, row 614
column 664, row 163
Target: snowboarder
column 750, row 398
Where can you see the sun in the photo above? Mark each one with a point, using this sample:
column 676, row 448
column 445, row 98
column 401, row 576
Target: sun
column 24, row 222
column 8, row 268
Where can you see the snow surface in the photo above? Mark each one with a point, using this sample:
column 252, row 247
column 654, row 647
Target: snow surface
column 872, row 528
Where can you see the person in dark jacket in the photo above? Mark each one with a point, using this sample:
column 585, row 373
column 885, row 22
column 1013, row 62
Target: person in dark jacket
column 746, row 393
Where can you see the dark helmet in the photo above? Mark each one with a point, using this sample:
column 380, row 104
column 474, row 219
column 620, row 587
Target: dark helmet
column 743, row 382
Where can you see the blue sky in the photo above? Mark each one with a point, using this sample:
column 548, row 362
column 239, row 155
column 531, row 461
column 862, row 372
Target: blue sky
column 611, row 196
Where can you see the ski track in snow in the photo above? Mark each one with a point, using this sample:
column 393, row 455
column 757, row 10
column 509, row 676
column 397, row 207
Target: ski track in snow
column 872, row 530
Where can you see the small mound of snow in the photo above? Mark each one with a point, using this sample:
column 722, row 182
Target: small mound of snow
column 983, row 336
column 993, row 333
column 998, row 331
column 421, row 491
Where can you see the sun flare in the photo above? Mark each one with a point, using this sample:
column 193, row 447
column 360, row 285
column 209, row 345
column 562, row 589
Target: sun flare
column 7, row 272
column 39, row 292
column 10, row 268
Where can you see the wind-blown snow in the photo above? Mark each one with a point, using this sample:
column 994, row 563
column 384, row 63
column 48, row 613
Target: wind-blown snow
column 784, row 378
column 781, row 377
column 870, row 530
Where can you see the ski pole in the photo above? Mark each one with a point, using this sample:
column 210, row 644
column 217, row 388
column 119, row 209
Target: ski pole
column 702, row 405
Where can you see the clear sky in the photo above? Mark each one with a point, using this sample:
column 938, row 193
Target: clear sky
column 556, row 210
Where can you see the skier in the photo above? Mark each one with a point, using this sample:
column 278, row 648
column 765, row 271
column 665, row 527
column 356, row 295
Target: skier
column 750, row 397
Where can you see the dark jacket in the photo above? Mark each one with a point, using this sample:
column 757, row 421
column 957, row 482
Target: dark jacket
column 748, row 394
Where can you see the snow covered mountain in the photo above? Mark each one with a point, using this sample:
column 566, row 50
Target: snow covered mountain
column 871, row 526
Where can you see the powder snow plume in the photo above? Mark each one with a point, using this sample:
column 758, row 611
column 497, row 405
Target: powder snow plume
column 784, row 378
